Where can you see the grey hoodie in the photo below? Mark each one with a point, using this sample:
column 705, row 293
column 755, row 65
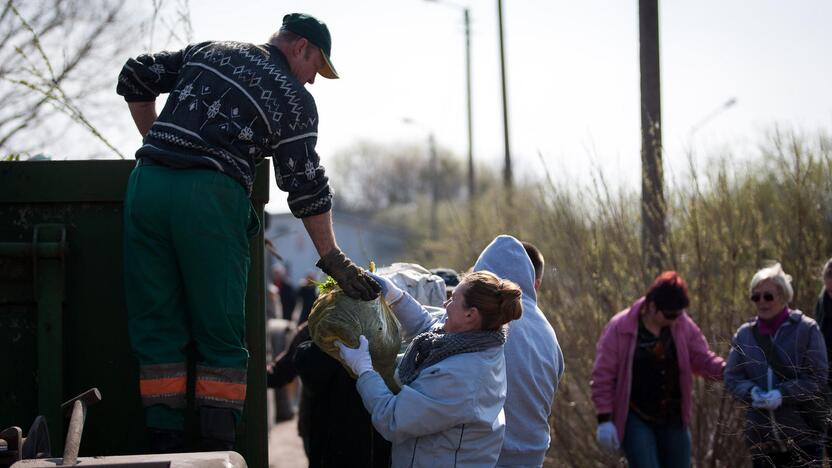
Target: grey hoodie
column 534, row 361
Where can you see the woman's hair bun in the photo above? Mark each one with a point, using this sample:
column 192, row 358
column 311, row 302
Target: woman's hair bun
column 499, row 301
column 511, row 305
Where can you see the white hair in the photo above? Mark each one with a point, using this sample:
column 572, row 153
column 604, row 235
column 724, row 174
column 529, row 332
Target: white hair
column 827, row 269
column 776, row 274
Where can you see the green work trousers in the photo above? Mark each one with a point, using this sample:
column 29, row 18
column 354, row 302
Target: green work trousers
column 186, row 263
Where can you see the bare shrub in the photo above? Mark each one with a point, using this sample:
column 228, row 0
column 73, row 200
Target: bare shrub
column 723, row 224
column 58, row 63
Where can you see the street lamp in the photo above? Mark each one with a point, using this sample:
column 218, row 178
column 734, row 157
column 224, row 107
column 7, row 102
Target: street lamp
column 467, row 18
column 434, row 177
column 722, row 108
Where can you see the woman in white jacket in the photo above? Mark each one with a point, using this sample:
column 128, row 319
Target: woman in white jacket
column 449, row 412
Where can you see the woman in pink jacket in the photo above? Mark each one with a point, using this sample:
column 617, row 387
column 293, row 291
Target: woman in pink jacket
column 643, row 374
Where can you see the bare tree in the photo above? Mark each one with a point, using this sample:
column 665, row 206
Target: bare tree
column 171, row 21
column 50, row 58
column 58, row 63
column 372, row 176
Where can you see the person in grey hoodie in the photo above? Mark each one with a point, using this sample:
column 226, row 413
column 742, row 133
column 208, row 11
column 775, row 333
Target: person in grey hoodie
column 534, row 361
column 449, row 412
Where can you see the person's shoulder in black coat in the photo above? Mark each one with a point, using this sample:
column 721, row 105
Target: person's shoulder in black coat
column 339, row 427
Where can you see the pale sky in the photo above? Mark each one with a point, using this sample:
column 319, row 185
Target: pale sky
column 573, row 76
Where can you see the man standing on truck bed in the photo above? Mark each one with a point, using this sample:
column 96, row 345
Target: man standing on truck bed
column 188, row 218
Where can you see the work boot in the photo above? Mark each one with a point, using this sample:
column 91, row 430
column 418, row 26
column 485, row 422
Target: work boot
column 165, row 440
column 218, row 428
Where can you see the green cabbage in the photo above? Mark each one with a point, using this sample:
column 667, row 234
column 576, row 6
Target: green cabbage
column 335, row 316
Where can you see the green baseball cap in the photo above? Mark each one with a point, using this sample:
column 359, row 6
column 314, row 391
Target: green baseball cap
column 317, row 33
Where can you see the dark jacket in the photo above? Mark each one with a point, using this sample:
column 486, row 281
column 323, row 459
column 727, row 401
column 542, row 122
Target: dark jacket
column 799, row 345
column 337, row 428
column 823, row 315
column 232, row 104
column 283, row 368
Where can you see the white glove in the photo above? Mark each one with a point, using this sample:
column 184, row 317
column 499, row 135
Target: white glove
column 357, row 358
column 757, row 397
column 391, row 292
column 607, row 436
column 773, row 399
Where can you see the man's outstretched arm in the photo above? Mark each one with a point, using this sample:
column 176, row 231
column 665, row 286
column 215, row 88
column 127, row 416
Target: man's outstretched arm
column 353, row 280
column 320, row 231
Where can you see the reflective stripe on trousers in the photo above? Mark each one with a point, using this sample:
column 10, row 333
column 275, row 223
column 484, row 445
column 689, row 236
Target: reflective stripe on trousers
column 163, row 384
column 221, row 387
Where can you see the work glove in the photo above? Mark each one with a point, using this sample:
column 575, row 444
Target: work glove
column 352, row 279
column 389, row 290
column 772, row 400
column 358, row 359
column 757, row 397
column 607, row 436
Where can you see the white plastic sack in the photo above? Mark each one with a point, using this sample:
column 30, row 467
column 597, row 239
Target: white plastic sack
column 427, row 288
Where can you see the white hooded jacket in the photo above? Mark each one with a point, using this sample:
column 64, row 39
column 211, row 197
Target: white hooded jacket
column 534, row 361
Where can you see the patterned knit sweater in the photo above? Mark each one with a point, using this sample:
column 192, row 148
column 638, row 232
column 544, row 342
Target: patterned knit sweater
column 231, row 105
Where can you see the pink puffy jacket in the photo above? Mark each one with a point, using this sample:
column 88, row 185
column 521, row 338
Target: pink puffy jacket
column 612, row 371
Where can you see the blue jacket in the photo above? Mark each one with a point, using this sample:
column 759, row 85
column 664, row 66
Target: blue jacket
column 534, row 361
column 451, row 415
column 798, row 341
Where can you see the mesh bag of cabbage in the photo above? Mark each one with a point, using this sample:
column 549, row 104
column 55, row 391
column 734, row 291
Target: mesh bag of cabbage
column 335, row 316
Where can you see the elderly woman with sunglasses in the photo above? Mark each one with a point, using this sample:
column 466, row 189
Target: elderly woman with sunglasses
column 643, row 375
column 778, row 367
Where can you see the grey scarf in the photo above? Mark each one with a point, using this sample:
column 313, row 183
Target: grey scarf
column 430, row 347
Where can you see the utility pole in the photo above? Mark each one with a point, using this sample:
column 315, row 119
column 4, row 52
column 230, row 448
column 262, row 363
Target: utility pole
column 471, row 182
column 433, row 168
column 467, row 18
column 653, row 208
column 507, row 175
column 434, row 175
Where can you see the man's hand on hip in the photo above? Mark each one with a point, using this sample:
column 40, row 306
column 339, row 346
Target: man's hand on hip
column 353, row 280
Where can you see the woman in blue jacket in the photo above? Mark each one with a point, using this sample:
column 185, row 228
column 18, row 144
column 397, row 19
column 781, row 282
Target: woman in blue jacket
column 778, row 368
column 449, row 412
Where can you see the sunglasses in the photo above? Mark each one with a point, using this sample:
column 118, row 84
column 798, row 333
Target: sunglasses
column 671, row 314
column 768, row 297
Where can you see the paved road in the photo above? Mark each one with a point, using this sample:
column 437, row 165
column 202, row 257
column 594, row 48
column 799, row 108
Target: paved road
column 285, row 447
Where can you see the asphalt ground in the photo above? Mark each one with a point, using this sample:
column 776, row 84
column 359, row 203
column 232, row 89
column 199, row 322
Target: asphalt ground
column 285, row 446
